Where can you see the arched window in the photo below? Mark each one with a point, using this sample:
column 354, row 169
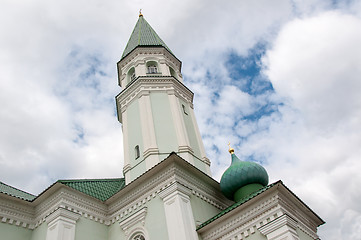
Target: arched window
column 131, row 75
column 152, row 67
column 136, row 152
column 173, row 73
column 138, row 236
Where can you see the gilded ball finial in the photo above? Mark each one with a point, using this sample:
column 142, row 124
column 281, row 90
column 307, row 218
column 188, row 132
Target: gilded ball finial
column 140, row 13
column 230, row 150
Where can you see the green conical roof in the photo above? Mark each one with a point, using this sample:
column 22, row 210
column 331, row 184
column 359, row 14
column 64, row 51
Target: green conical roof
column 143, row 35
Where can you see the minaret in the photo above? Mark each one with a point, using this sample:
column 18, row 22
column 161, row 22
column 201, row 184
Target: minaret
column 154, row 106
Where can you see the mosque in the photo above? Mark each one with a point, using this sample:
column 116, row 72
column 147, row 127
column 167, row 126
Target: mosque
column 167, row 191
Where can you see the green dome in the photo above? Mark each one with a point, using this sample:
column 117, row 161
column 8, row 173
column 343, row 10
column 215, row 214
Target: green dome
column 241, row 174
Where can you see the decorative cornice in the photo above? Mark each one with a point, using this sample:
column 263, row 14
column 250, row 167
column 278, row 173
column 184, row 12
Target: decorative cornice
column 138, row 217
column 244, row 221
column 283, row 220
column 143, row 52
column 174, row 187
column 292, row 208
column 144, row 84
column 62, row 214
column 72, row 200
column 150, row 188
column 15, row 213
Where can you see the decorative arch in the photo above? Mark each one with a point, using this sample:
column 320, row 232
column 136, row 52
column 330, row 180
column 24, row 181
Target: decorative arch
column 138, row 236
column 138, row 233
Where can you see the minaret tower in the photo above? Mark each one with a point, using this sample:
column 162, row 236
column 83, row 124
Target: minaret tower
column 154, row 106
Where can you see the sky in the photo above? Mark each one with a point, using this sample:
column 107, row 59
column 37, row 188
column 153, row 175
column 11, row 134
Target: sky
column 278, row 79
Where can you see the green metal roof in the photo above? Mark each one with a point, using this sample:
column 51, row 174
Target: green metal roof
column 9, row 190
column 143, row 35
column 101, row 189
column 237, row 204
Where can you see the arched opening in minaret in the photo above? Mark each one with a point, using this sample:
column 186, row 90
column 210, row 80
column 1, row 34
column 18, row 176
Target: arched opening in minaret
column 152, row 67
column 173, row 73
column 131, row 75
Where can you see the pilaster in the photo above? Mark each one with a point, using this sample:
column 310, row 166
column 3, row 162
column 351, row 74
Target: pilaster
column 164, row 68
column 61, row 225
column 282, row 228
column 127, row 166
column 178, row 212
column 150, row 149
column 200, row 142
column 182, row 137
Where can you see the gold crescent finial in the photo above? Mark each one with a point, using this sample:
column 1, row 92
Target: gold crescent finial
column 230, row 150
column 140, row 13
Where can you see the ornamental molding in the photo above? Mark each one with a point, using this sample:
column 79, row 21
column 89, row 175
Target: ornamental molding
column 175, row 187
column 203, row 191
column 170, row 176
column 130, row 222
column 62, row 214
column 283, row 220
column 293, row 208
column 34, row 215
column 15, row 213
column 73, row 201
column 243, row 222
column 143, row 85
column 143, row 52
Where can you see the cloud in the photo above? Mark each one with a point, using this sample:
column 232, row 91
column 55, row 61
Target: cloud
column 314, row 65
column 278, row 79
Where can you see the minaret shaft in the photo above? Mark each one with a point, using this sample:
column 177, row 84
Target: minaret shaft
column 155, row 107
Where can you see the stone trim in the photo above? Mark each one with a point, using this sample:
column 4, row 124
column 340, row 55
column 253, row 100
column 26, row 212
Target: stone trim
column 144, row 52
column 61, row 225
column 178, row 212
column 145, row 84
column 244, row 224
column 283, row 227
column 85, row 206
column 151, row 188
column 14, row 213
column 62, row 213
column 129, row 222
column 291, row 207
column 173, row 187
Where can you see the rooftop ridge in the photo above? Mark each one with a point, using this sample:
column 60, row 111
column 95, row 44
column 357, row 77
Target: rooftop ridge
column 90, row 180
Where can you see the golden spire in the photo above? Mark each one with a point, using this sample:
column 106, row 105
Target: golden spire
column 230, row 150
column 140, row 13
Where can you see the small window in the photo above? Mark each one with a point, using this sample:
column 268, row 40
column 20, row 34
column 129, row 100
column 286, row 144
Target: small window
column 152, row 69
column 184, row 109
column 136, row 152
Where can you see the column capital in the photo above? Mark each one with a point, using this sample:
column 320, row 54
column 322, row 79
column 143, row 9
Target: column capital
column 175, row 188
column 283, row 227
